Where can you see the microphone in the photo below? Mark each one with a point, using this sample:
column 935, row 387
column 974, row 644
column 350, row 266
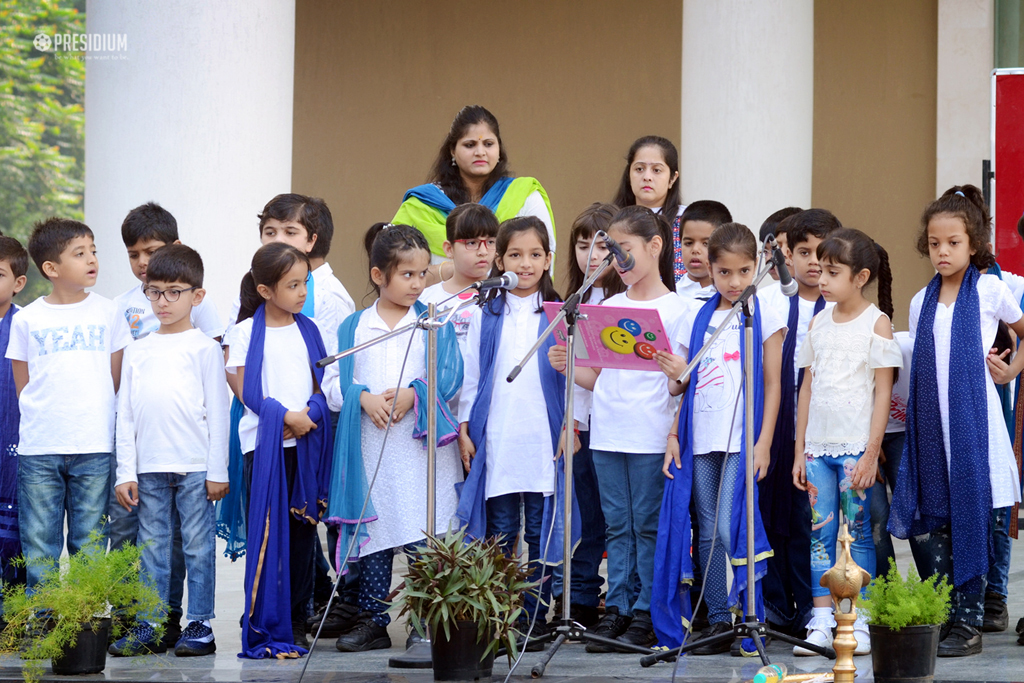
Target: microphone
column 507, row 281
column 788, row 285
column 623, row 258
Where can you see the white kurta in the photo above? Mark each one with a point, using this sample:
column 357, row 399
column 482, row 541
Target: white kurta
column 399, row 494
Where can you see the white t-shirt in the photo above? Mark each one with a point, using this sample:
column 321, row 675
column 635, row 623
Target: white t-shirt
column 719, row 381
column 901, row 389
column 691, row 289
column 68, row 405
column 287, row 373
column 436, row 294
column 172, row 407
column 632, row 410
column 138, row 313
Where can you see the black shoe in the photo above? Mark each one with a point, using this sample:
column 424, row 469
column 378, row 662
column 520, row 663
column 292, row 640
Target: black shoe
column 700, row 618
column 612, row 625
column 584, row 615
column 640, row 631
column 997, row 617
column 538, row 641
column 718, row 648
column 1020, row 631
column 963, row 640
column 364, row 636
column 172, row 630
column 299, row 636
column 341, row 619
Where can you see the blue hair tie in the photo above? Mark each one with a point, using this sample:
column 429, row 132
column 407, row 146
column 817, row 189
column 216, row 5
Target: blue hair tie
column 961, row 194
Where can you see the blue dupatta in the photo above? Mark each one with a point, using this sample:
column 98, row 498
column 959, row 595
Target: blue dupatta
column 434, row 197
column 673, row 565
column 10, row 416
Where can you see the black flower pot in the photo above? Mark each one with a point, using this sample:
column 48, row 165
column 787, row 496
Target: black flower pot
column 89, row 653
column 904, row 656
column 460, row 656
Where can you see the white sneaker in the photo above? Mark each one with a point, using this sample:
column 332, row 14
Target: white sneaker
column 819, row 632
column 863, row 636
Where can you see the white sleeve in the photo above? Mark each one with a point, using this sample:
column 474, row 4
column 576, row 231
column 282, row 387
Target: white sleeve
column 535, row 206
column 331, row 386
column 127, row 458
column 470, row 367
column 771, row 322
column 206, row 318
column 1007, row 309
column 17, row 345
column 120, row 333
column 237, row 342
column 329, row 317
column 218, row 410
column 915, row 312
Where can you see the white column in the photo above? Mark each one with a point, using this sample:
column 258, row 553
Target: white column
column 748, row 104
column 195, row 115
column 964, row 91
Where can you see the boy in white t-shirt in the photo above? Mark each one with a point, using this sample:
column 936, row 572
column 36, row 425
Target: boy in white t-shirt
column 65, row 351
column 172, row 448
column 696, row 224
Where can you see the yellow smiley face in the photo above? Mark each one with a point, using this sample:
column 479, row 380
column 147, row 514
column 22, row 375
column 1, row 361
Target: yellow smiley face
column 618, row 340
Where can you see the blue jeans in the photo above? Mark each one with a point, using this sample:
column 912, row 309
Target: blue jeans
column 715, row 547
column 829, row 488
column 50, row 486
column 631, row 487
column 503, row 521
column 167, row 500
column 999, row 563
column 586, row 559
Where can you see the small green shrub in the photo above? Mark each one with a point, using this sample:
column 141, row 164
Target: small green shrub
column 895, row 602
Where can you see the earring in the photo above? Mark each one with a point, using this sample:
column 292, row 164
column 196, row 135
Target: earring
column 453, row 160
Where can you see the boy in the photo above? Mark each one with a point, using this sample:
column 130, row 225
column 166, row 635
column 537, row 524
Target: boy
column 172, row 447
column 770, row 227
column 66, row 352
column 697, row 223
column 786, row 510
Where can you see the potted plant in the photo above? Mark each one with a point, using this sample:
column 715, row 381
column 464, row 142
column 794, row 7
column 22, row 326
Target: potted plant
column 469, row 594
column 904, row 617
column 66, row 617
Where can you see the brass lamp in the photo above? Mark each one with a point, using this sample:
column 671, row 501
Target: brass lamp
column 844, row 582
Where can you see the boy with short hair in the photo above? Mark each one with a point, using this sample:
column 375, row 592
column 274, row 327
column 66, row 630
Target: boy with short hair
column 771, row 227
column 696, row 224
column 172, row 447
column 65, row 350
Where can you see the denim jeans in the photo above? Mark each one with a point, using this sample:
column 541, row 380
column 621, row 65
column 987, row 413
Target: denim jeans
column 892, row 447
column 586, row 559
column 123, row 527
column 166, row 498
column 999, row 563
column 829, row 488
column 715, row 543
column 50, row 486
column 631, row 487
column 937, row 556
column 503, row 521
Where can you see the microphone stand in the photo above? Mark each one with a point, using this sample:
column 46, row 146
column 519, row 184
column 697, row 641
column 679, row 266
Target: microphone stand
column 750, row 627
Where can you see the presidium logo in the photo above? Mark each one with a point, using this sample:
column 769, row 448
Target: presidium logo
column 105, row 46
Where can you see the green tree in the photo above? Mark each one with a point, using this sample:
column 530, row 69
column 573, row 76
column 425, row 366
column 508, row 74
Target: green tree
column 42, row 121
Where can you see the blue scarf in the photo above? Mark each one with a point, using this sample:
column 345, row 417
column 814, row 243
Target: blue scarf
column 348, row 483
column 472, row 510
column 267, row 626
column 776, row 489
column 926, row 497
column 231, row 508
column 10, row 540
column 434, row 197
column 673, row 565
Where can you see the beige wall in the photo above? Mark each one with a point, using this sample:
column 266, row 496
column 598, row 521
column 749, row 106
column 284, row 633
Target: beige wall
column 874, row 125
column 571, row 83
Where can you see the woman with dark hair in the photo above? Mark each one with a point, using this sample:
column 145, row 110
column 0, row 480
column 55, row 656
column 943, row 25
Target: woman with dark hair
column 472, row 166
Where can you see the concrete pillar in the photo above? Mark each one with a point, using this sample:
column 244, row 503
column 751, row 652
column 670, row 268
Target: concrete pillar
column 748, row 104
column 195, row 115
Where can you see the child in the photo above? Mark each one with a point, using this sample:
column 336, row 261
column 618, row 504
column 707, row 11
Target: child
column 172, row 447
column 509, row 431
column 285, row 436
column 651, row 179
column 371, row 387
column 697, row 223
column 13, row 269
column 784, row 509
column 64, row 347
column 770, row 228
column 710, row 449
column 844, row 409
column 631, row 416
column 954, row 419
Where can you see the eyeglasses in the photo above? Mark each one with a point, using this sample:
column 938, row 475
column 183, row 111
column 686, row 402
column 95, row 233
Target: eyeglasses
column 172, row 295
column 473, row 245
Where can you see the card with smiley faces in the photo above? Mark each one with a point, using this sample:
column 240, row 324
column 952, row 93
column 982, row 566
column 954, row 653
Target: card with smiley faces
column 614, row 337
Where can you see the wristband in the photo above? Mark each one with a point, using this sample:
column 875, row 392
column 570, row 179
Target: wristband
column 671, row 435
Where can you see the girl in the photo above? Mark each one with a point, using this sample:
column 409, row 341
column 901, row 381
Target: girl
column 285, row 435
column 509, row 431
column 707, row 456
column 843, row 411
column 954, row 419
column 367, row 393
column 632, row 414
column 651, row 179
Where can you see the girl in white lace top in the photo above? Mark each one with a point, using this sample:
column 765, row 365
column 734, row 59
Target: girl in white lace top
column 843, row 411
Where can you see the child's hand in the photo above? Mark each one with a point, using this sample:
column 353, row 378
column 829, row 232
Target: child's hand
column 558, row 358
column 377, row 407
column 576, row 445
column 406, row 399
column 671, row 456
column 128, row 495
column 298, row 422
column 998, row 368
column 671, row 364
column 800, row 471
column 865, row 472
column 762, row 458
column 466, row 447
column 216, row 490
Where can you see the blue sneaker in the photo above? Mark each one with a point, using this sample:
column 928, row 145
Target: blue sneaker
column 141, row 639
column 196, row 641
